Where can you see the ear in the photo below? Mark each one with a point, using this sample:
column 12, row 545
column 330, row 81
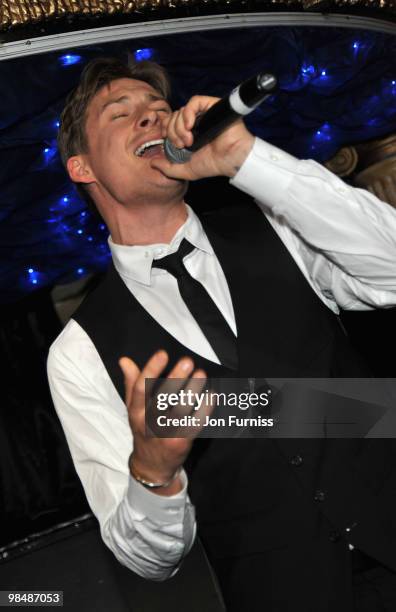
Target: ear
column 79, row 170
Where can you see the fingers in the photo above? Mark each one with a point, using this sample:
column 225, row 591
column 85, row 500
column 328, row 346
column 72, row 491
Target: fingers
column 134, row 378
column 178, row 132
column 131, row 373
column 152, row 369
column 192, row 388
column 135, row 389
column 179, row 376
column 183, row 368
column 222, row 156
column 180, row 124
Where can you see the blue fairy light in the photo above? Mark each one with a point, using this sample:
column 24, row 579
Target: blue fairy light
column 49, row 154
column 69, row 59
column 323, row 73
column 80, row 231
column 80, row 271
column 323, row 134
column 356, row 48
column 308, row 69
column 33, row 276
column 143, row 54
column 64, row 201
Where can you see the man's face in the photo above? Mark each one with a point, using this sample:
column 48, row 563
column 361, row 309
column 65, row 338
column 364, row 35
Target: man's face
column 121, row 119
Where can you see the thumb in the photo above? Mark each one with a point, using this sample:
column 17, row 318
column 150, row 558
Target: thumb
column 172, row 170
column 131, row 373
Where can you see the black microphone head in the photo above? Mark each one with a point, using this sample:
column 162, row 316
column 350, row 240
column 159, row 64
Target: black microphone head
column 266, row 82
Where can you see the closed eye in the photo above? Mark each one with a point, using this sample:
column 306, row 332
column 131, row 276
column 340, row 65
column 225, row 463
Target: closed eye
column 162, row 109
column 119, row 116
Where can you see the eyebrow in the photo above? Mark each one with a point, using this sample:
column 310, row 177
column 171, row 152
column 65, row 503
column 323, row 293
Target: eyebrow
column 124, row 98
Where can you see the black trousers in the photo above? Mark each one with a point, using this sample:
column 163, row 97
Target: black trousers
column 248, row 586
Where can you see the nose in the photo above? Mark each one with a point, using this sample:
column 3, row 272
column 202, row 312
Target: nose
column 149, row 118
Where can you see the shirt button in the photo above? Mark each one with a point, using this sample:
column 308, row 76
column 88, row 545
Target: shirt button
column 274, row 157
column 334, row 535
column 319, row 496
column 296, row 460
column 341, row 190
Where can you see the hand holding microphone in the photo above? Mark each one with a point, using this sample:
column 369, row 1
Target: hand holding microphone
column 215, row 122
column 241, row 101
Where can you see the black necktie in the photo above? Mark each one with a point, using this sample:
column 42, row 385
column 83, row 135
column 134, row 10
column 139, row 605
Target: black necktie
column 202, row 307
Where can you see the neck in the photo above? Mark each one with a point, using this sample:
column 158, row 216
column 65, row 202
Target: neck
column 151, row 224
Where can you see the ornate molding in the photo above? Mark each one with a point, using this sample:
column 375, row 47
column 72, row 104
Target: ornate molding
column 377, row 168
column 370, row 165
column 15, row 13
column 344, row 161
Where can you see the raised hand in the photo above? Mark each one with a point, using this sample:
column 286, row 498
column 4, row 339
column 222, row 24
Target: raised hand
column 157, row 459
column 221, row 157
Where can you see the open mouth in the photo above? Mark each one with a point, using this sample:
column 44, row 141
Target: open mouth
column 150, row 148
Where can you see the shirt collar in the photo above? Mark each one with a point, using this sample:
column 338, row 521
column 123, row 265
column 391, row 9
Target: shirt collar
column 134, row 262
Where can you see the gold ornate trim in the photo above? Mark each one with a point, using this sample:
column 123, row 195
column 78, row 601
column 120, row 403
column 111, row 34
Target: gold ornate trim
column 323, row 5
column 380, row 179
column 375, row 165
column 377, row 168
column 14, row 13
column 344, row 161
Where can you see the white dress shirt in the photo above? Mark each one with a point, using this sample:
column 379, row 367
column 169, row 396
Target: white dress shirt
column 344, row 241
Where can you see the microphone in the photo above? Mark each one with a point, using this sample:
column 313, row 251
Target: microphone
column 241, row 101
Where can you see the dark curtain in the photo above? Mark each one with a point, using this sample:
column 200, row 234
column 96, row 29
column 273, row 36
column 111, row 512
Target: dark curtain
column 38, row 484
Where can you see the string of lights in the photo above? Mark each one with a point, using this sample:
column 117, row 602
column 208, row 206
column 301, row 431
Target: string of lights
column 336, row 88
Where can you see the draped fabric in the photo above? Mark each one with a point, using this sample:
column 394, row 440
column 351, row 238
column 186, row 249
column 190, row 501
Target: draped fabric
column 337, row 86
column 38, row 485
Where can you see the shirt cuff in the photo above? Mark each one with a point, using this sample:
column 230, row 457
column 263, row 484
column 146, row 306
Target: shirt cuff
column 266, row 173
column 158, row 508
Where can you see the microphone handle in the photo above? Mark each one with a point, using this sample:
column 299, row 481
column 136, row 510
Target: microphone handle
column 211, row 124
column 241, row 101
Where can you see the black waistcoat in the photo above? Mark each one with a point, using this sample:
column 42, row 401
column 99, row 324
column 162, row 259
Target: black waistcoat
column 250, row 495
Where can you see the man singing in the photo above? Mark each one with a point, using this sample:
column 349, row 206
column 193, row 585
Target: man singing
column 287, row 524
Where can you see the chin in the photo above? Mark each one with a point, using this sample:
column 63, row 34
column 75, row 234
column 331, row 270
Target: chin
column 175, row 187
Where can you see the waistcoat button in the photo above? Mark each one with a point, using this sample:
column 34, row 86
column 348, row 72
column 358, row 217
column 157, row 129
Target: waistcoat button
column 334, row 535
column 296, row 460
